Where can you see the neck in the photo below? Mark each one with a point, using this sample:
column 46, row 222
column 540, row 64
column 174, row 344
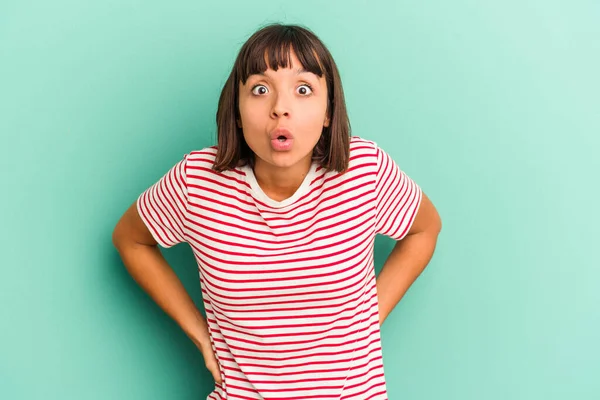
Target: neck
column 281, row 183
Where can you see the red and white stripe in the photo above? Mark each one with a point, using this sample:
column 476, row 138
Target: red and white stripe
column 288, row 287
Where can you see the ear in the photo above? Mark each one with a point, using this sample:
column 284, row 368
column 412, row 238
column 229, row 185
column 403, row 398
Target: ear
column 326, row 123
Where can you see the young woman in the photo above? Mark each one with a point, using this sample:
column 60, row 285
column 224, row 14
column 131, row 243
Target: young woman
column 282, row 215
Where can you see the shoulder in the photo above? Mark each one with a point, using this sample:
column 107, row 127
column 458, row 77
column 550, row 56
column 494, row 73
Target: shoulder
column 199, row 168
column 357, row 143
column 202, row 157
column 363, row 152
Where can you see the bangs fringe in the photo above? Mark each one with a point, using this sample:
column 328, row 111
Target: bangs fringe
column 273, row 50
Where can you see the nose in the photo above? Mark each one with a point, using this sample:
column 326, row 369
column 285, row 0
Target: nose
column 281, row 107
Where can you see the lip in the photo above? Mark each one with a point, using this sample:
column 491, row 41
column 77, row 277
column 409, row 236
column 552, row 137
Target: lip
column 278, row 145
column 278, row 132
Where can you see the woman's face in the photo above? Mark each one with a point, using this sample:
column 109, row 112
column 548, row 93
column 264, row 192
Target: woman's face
column 282, row 115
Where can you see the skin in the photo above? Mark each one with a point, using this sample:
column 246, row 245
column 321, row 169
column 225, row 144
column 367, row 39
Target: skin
column 290, row 98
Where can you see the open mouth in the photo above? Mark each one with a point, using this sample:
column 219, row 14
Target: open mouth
column 282, row 142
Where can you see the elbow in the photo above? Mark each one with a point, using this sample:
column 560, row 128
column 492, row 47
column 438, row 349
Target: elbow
column 116, row 237
column 434, row 227
column 119, row 236
column 438, row 224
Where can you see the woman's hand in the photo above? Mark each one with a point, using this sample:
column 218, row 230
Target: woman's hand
column 210, row 360
column 201, row 338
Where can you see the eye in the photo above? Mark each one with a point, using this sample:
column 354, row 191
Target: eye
column 259, row 90
column 304, row 89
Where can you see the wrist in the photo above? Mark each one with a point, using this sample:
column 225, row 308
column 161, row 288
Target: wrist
column 196, row 328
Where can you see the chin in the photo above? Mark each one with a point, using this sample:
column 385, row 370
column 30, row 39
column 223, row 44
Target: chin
column 282, row 159
column 284, row 162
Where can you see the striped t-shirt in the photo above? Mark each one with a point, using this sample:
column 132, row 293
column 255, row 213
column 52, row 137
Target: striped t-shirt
column 288, row 286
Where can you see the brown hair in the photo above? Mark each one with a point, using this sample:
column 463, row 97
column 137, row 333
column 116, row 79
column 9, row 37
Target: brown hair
column 273, row 44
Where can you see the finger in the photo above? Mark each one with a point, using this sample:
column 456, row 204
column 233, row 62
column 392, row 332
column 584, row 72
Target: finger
column 217, row 376
column 213, row 368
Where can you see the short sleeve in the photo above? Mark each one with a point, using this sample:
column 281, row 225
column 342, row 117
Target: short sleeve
column 397, row 198
column 163, row 206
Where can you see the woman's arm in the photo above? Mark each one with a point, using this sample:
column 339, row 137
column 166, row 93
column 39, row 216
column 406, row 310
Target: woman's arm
column 150, row 270
column 408, row 259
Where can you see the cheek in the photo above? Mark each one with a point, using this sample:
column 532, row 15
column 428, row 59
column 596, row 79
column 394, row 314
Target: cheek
column 314, row 116
column 251, row 116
